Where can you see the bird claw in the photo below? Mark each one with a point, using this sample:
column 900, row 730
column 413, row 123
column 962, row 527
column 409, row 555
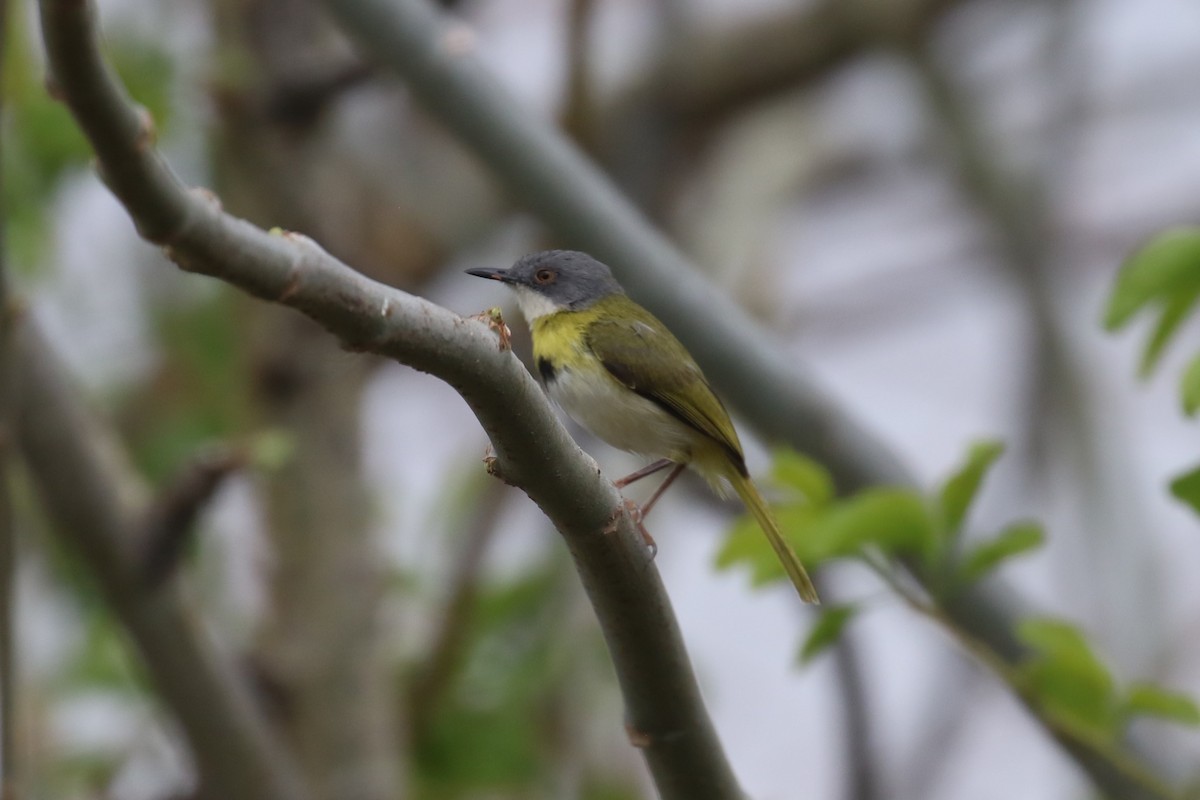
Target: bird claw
column 635, row 514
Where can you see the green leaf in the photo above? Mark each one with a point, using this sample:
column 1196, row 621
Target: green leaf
column 1186, row 487
column 960, row 489
column 1018, row 538
column 1176, row 308
column 1168, row 264
column 1191, row 387
column 1146, row 699
column 827, row 630
column 895, row 520
column 746, row 544
column 1067, row 679
column 795, row 471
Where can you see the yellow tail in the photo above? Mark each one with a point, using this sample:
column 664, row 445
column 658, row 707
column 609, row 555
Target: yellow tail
column 766, row 520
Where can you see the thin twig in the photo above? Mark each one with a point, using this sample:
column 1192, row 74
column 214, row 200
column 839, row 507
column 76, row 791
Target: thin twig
column 862, row 775
column 170, row 520
column 666, row 715
column 1111, row 769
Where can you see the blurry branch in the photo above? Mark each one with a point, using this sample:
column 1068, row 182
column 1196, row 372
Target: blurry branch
column 322, row 644
column 666, row 716
column 65, row 449
column 929, row 750
column 1113, row 771
column 299, row 101
column 861, row 769
column 437, row 674
column 709, row 75
column 170, row 520
column 578, row 114
column 9, row 769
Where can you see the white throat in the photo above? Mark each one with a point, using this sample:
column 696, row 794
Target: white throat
column 534, row 305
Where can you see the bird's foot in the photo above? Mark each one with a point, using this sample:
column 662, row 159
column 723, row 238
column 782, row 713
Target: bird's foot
column 635, row 513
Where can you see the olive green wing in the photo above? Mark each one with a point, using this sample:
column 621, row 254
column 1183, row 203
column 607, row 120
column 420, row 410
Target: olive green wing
column 639, row 351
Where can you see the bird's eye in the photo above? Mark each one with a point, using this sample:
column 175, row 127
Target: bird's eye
column 544, row 276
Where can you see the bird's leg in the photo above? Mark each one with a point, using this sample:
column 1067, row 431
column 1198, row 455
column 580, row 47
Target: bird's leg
column 646, row 471
column 635, row 514
column 649, row 504
column 639, row 513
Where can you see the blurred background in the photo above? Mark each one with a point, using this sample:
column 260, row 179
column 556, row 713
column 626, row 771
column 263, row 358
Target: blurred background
column 924, row 202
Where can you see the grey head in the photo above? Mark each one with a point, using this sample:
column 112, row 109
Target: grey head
column 567, row 279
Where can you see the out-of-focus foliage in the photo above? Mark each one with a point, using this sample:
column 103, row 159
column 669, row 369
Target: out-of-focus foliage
column 197, row 393
column 497, row 727
column 890, row 521
column 1187, row 488
column 1063, row 677
column 1074, row 686
column 1164, row 277
column 826, row 630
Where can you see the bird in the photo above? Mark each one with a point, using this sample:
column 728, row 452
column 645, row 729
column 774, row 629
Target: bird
column 617, row 370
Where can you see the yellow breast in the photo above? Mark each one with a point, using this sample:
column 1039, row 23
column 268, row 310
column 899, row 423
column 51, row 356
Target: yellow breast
column 577, row 381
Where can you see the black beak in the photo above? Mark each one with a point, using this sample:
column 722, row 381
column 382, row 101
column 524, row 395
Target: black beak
column 494, row 273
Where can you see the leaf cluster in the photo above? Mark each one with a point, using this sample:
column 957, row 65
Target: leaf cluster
column 1062, row 677
column 1162, row 279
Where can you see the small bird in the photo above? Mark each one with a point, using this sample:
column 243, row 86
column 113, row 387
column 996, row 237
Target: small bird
column 617, row 370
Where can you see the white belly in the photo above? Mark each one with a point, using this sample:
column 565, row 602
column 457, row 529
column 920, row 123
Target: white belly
column 620, row 417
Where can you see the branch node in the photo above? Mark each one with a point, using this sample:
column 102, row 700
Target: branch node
column 147, row 134
column 614, row 521
column 207, row 196
column 296, row 272
column 638, row 738
column 494, row 319
column 491, row 462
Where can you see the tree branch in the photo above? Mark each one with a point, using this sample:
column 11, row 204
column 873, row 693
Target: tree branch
column 712, row 74
column 666, row 716
column 170, row 520
column 235, row 753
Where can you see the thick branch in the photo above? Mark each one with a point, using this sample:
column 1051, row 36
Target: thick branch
column 714, row 72
column 235, row 753
column 666, row 715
